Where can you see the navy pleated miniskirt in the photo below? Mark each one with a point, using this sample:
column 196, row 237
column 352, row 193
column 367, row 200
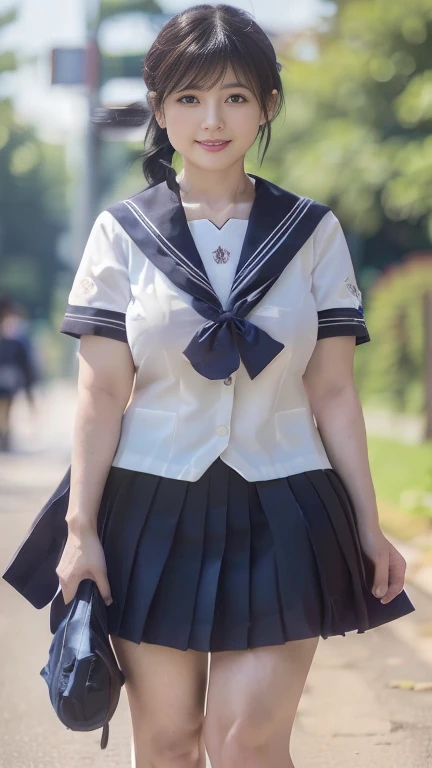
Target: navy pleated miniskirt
column 228, row 564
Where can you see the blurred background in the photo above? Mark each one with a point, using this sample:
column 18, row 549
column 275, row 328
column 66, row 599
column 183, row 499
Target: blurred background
column 356, row 135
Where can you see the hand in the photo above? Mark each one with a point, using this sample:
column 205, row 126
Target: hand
column 83, row 558
column 388, row 565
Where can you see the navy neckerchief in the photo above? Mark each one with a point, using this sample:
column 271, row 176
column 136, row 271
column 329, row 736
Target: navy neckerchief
column 279, row 224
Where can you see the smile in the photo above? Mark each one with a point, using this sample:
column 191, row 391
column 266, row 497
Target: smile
column 213, row 146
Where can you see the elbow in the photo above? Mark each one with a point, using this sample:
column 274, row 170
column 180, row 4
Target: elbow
column 101, row 395
column 343, row 396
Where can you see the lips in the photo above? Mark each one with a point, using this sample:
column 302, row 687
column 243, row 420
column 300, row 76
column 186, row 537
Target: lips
column 214, row 146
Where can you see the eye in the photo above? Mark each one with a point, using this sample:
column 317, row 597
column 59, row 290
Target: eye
column 187, row 97
column 237, row 96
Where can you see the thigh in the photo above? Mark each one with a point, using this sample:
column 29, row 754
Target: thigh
column 5, row 408
column 255, row 693
column 166, row 693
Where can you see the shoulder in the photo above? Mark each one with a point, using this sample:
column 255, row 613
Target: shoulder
column 292, row 199
column 292, row 209
column 107, row 229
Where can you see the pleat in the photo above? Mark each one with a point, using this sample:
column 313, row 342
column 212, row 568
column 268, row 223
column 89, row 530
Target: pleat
column 161, row 513
column 266, row 613
column 334, row 576
column 124, row 527
column 171, row 612
column 117, row 483
column 377, row 612
column 343, row 533
column 348, row 509
column 300, row 604
column 215, row 511
column 232, row 613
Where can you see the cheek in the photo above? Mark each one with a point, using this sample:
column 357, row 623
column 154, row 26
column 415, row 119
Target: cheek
column 246, row 122
column 179, row 131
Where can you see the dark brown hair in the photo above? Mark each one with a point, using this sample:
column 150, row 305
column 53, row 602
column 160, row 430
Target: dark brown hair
column 194, row 49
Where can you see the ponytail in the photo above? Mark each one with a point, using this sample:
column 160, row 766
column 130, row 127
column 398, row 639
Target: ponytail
column 158, row 151
column 157, row 156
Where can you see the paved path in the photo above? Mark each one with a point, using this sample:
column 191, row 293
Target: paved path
column 349, row 714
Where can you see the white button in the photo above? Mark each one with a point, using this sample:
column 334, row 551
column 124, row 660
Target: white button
column 228, row 381
column 222, row 430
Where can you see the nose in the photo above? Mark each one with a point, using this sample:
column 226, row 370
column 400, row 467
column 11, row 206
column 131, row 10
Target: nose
column 212, row 118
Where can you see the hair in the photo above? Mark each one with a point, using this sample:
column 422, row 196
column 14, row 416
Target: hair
column 194, row 49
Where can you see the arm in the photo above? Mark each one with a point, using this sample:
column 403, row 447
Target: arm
column 105, row 380
column 335, row 403
column 329, row 383
column 96, row 314
column 106, row 374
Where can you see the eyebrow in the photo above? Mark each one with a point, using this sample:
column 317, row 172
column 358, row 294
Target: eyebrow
column 224, row 87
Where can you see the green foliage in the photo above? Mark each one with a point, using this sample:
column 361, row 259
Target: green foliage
column 402, row 474
column 393, row 375
column 356, row 132
column 111, row 7
column 32, row 206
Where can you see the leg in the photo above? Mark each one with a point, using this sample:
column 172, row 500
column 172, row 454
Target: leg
column 5, row 410
column 166, row 694
column 252, row 702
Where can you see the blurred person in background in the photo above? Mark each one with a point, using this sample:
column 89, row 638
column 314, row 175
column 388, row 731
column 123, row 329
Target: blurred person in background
column 18, row 369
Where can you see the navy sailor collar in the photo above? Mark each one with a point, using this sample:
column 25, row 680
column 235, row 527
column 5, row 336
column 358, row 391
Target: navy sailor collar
column 279, row 224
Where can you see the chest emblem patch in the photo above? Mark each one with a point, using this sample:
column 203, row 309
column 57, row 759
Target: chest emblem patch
column 221, row 255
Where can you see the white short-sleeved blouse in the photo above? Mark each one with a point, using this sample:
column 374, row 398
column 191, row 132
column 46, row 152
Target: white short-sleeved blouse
column 221, row 324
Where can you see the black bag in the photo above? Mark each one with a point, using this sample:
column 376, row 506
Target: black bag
column 82, row 674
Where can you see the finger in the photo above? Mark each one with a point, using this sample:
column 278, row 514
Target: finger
column 396, row 579
column 68, row 589
column 381, row 575
column 102, row 582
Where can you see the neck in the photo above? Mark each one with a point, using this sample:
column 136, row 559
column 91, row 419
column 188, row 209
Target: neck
column 216, row 190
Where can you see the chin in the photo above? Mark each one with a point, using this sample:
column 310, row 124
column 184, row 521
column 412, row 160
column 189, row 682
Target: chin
column 215, row 160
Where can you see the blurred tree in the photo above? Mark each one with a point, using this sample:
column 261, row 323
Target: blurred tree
column 32, row 204
column 111, row 7
column 359, row 116
column 394, row 376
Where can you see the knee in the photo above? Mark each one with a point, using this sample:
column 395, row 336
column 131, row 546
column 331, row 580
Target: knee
column 246, row 740
column 250, row 733
column 245, row 733
column 179, row 748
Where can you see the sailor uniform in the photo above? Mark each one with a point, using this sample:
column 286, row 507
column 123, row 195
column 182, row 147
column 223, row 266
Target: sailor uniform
column 149, row 287
column 223, row 523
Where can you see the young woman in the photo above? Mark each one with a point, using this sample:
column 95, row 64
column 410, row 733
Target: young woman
column 219, row 432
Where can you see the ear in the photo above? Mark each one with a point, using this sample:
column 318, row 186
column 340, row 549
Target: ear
column 160, row 119
column 273, row 104
column 151, row 99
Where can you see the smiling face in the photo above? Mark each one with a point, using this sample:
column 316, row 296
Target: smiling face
column 228, row 112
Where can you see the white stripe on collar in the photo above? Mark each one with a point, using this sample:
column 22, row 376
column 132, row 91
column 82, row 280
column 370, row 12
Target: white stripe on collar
column 276, row 238
column 194, row 273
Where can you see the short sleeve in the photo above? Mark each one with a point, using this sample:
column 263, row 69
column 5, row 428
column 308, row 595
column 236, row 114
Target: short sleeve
column 100, row 292
column 334, row 285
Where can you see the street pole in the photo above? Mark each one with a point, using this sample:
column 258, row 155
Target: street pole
column 90, row 180
column 86, row 156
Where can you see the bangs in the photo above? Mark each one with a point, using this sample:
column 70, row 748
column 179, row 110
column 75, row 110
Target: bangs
column 204, row 69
